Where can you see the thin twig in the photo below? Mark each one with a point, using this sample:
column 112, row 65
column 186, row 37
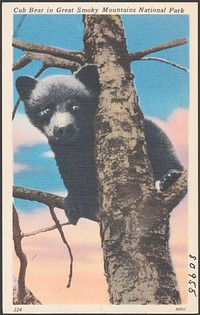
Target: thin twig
column 15, row 108
column 51, row 228
column 19, row 25
column 59, row 227
column 165, row 61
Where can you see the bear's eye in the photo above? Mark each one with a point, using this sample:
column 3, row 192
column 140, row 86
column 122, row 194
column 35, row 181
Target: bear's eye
column 76, row 107
column 45, row 112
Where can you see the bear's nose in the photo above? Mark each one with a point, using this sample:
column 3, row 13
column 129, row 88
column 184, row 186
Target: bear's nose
column 64, row 131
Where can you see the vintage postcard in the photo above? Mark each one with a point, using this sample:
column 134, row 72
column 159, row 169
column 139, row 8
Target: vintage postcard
column 100, row 187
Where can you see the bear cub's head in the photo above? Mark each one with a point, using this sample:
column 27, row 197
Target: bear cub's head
column 62, row 107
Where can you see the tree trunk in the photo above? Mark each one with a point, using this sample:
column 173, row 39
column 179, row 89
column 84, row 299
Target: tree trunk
column 134, row 220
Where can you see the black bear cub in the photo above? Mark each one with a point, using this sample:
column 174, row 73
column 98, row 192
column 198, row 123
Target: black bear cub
column 63, row 108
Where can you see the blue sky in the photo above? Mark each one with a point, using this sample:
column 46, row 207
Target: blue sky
column 161, row 88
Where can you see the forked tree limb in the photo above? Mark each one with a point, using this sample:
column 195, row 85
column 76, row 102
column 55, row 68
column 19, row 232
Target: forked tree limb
column 51, row 56
column 48, row 60
column 46, row 198
column 74, row 55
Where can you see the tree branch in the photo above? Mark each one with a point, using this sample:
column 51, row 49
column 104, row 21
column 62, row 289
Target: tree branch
column 75, row 56
column 54, row 51
column 165, row 61
column 17, row 237
column 48, row 60
column 48, row 199
column 175, row 193
column 140, row 54
column 51, row 228
column 15, row 108
column 41, row 70
column 22, row 62
column 40, row 196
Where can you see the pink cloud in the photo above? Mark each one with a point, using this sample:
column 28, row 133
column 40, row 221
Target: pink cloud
column 24, row 134
column 176, row 127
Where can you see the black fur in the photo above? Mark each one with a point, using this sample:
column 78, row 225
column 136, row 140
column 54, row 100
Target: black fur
column 63, row 108
column 160, row 151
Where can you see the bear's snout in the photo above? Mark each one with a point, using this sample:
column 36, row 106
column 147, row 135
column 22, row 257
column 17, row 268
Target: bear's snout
column 68, row 131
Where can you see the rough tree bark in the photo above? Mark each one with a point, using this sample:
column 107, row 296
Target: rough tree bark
column 134, row 218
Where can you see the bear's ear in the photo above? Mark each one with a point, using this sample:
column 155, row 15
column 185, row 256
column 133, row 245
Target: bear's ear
column 25, row 86
column 88, row 75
